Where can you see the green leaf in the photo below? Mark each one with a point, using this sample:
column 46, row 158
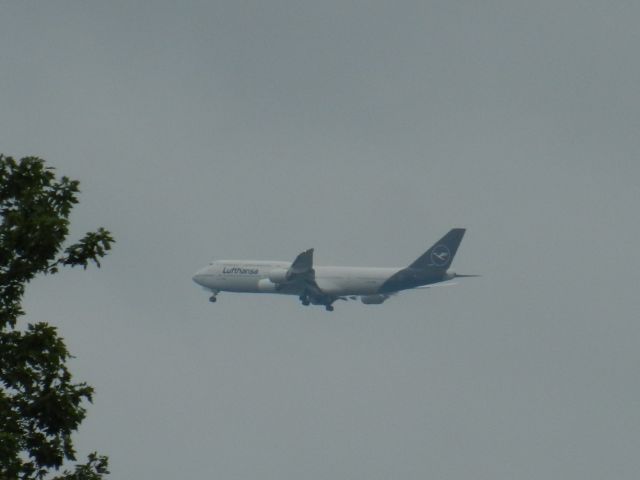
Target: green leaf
column 40, row 404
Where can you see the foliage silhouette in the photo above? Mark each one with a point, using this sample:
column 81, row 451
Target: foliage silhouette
column 40, row 405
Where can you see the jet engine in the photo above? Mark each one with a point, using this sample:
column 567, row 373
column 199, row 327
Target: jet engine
column 266, row 286
column 373, row 299
column 278, row 275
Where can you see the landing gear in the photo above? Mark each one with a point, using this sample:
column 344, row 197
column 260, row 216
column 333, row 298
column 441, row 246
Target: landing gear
column 305, row 300
column 325, row 300
column 213, row 298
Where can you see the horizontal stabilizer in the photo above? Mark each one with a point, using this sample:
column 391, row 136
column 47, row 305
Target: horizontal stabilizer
column 434, row 285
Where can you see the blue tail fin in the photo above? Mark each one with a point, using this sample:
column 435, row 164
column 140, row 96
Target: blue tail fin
column 440, row 255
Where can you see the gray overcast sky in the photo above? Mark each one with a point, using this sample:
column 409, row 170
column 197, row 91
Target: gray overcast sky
column 257, row 129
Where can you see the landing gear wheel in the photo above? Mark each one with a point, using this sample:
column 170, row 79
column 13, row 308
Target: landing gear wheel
column 213, row 299
column 305, row 302
column 329, row 308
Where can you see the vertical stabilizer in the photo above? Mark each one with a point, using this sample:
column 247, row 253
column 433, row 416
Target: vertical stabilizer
column 440, row 255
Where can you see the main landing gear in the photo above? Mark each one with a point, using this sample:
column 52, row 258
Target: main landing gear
column 213, row 298
column 307, row 301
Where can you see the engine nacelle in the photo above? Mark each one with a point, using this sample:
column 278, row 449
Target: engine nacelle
column 278, row 275
column 266, row 286
column 373, row 299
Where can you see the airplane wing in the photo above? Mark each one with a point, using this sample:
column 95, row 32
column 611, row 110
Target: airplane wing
column 302, row 267
column 301, row 279
column 300, row 276
column 381, row 297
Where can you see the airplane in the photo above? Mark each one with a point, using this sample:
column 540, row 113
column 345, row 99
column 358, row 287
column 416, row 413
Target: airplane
column 318, row 285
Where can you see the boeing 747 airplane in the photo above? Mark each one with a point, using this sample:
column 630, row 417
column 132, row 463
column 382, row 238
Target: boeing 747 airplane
column 324, row 285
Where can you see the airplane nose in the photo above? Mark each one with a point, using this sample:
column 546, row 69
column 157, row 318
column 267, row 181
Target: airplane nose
column 199, row 276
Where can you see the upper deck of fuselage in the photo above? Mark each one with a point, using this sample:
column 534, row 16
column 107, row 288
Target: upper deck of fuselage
column 265, row 266
column 246, row 275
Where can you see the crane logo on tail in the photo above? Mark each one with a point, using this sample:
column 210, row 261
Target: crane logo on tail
column 440, row 255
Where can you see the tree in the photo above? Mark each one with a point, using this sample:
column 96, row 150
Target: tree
column 40, row 405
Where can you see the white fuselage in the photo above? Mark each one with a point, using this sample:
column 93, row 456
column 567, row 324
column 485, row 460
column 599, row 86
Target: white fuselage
column 254, row 277
column 324, row 285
